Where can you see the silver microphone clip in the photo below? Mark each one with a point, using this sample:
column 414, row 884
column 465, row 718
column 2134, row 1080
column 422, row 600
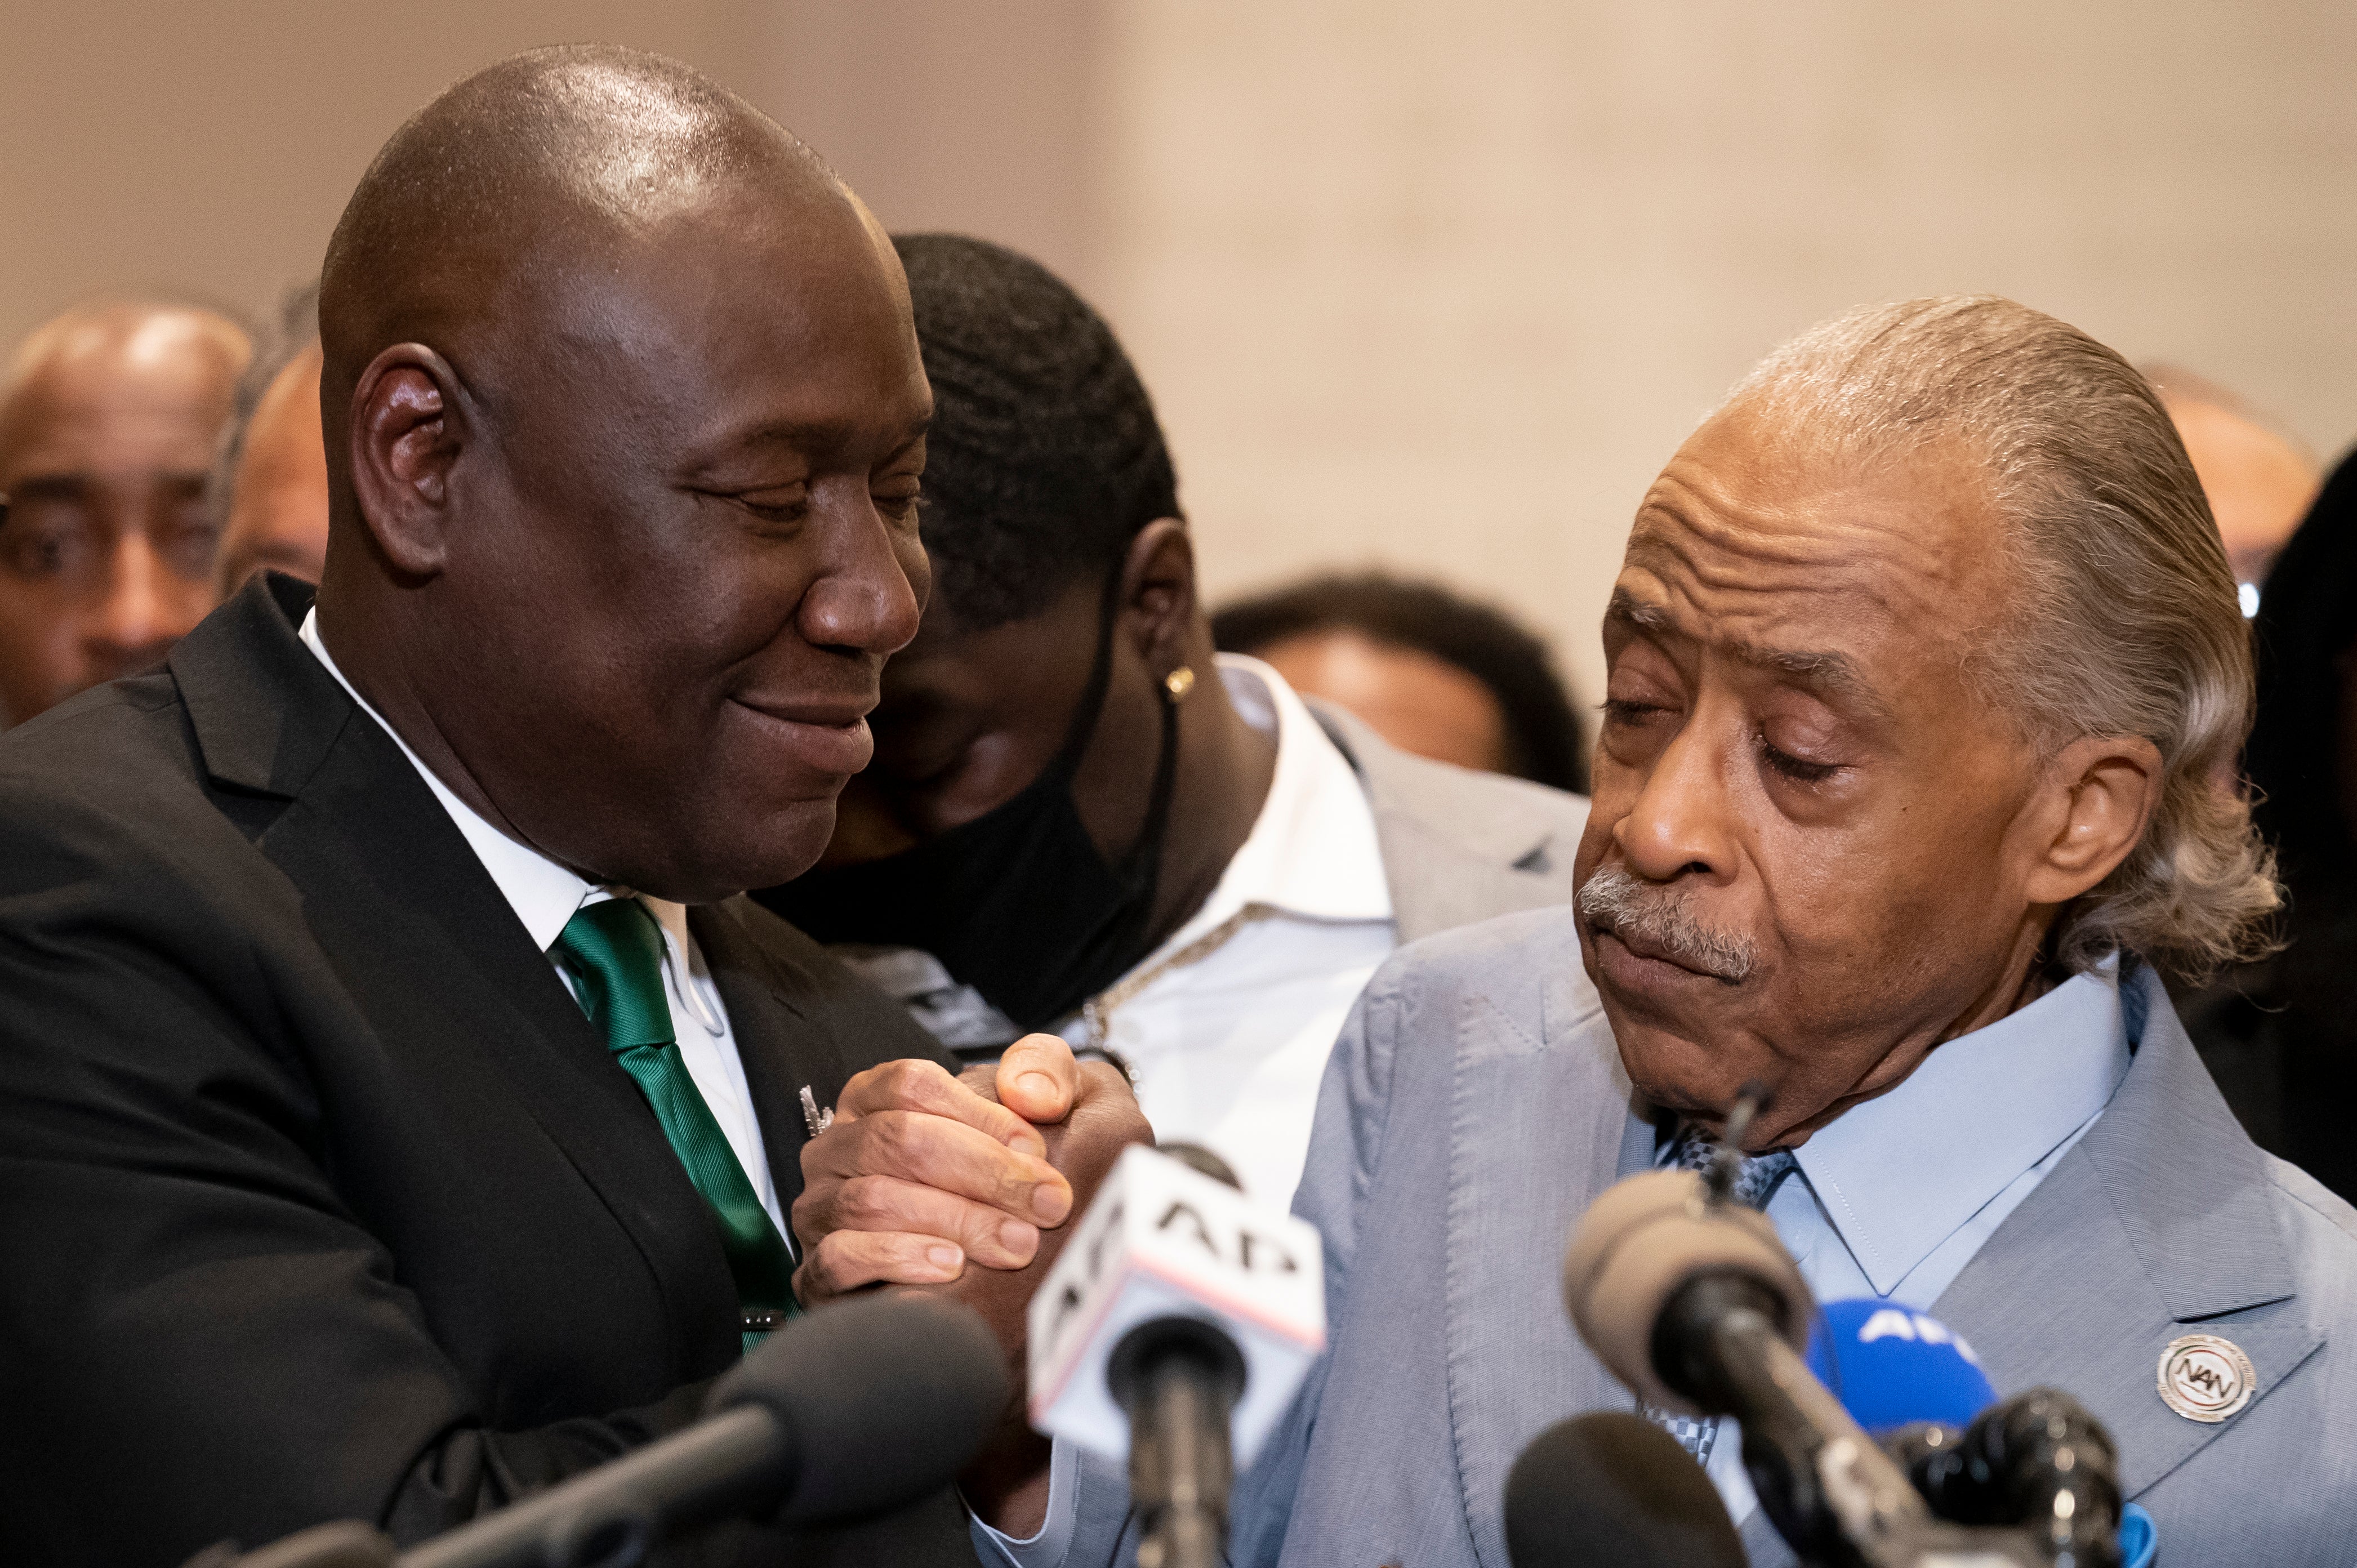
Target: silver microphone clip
column 1718, row 1180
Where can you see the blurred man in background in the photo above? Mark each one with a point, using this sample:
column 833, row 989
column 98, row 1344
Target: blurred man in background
column 269, row 487
column 2259, row 481
column 108, row 419
column 1081, row 818
column 1430, row 672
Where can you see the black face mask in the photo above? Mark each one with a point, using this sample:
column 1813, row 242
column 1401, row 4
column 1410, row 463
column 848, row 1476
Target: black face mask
column 1018, row 902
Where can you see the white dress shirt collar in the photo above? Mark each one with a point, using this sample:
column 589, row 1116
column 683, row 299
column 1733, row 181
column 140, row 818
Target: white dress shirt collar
column 1899, row 1174
column 544, row 894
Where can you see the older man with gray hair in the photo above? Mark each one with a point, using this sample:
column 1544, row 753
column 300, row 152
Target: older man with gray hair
column 1925, row 664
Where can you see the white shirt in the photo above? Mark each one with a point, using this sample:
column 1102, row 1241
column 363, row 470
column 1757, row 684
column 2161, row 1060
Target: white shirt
column 1229, row 1049
column 1228, row 1045
column 1896, row 1195
column 544, row 896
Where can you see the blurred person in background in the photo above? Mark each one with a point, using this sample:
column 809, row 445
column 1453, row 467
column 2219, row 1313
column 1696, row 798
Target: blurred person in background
column 1432, row 673
column 108, row 419
column 2259, row 480
column 2280, row 1036
column 1081, row 817
column 269, row 485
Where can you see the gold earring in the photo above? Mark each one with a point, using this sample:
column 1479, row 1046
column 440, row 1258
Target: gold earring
column 1179, row 683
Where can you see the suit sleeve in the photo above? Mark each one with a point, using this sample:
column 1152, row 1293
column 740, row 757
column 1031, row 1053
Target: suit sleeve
column 1345, row 1143
column 1346, row 1136
column 201, row 1342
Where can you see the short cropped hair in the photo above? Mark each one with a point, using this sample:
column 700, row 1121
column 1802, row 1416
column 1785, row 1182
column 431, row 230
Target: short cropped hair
column 2124, row 619
column 1044, row 460
column 1542, row 735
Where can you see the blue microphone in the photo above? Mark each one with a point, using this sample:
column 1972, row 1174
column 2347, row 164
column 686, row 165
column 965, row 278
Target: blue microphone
column 1891, row 1366
column 1898, row 1371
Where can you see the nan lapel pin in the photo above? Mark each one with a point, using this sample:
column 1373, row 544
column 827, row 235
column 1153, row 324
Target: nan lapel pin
column 2206, row 1379
column 819, row 1120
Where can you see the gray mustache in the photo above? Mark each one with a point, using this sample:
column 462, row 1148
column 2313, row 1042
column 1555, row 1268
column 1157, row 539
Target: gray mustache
column 1615, row 901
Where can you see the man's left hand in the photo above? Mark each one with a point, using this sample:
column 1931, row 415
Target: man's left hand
column 922, row 1174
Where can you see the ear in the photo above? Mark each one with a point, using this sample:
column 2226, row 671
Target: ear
column 407, row 435
column 2098, row 795
column 1157, row 592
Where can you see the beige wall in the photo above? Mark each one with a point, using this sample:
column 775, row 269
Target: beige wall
column 208, row 147
column 1435, row 285
column 1443, row 285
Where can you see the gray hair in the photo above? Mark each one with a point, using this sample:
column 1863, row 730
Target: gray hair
column 2124, row 621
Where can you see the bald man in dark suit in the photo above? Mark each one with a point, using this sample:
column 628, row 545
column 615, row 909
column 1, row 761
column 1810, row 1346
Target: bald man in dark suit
column 400, row 1108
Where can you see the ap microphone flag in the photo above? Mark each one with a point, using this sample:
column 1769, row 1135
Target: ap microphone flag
column 1891, row 1366
column 1161, row 1240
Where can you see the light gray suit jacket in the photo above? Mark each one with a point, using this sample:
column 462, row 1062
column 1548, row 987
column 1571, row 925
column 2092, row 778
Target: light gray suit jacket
column 1458, row 846
column 1476, row 1106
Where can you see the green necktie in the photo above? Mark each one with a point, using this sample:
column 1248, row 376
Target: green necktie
column 615, row 951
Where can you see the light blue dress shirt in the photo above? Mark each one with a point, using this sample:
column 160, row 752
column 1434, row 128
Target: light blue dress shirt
column 1894, row 1197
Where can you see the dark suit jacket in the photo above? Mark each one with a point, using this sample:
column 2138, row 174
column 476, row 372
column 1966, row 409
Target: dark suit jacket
column 320, row 1197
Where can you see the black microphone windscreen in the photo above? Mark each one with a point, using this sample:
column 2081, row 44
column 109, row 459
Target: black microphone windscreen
column 1612, row 1490
column 884, row 1398
column 1197, row 1157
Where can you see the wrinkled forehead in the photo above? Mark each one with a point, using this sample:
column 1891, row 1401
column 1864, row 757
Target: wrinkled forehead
column 1791, row 551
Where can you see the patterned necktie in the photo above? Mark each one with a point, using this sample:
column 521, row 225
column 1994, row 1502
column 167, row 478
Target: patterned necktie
column 1757, row 1178
column 615, row 951
column 1756, row 1181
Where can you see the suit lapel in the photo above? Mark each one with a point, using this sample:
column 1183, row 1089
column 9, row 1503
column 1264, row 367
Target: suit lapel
column 785, row 1047
column 2157, row 1225
column 1522, row 1100
column 265, row 710
column 442, row 973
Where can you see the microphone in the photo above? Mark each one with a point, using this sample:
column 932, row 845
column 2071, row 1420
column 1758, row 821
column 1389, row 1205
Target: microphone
column 1612, row 1490
column 2040, row 1461
column 1891, row 1366
column 854, row 1409
column 343, row 1543
column 1175, row 1329
column 1692, row 1302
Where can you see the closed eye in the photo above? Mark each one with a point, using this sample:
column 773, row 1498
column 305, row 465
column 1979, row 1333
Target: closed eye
column 1794, row 768
column 1624, row 711
column 778, row 506
column 775, row 512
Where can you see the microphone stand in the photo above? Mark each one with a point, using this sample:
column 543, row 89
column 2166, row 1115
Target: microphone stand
column 1178, row 1380
column 1834, row 1494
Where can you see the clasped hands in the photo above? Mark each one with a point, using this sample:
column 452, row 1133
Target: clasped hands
column 922, row 1174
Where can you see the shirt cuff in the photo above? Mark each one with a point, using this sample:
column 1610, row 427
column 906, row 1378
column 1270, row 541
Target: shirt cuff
column 1047, row 1548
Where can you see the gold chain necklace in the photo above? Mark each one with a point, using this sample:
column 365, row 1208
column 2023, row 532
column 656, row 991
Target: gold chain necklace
column 1096, row 1013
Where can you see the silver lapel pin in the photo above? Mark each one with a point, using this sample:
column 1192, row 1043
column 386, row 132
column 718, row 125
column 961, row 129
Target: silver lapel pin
column 2206, row 1379
column 815, row 1119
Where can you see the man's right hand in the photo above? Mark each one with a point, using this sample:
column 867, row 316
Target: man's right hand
column 920, row 1174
